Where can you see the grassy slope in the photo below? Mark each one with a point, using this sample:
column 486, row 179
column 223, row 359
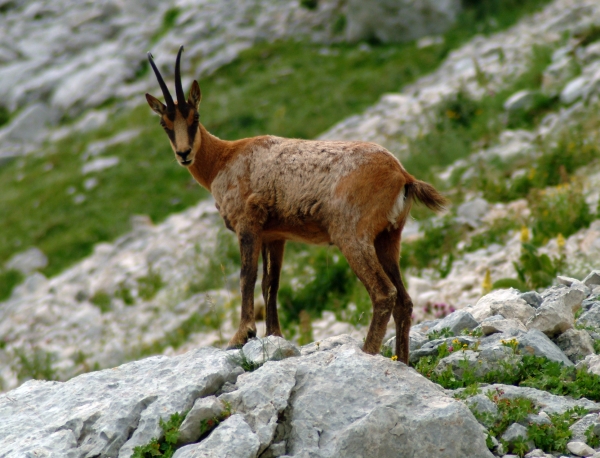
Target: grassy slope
column 289, row 89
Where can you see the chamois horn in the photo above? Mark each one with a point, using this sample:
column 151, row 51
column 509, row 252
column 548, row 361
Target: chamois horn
column 163, row 86
column 181, row 103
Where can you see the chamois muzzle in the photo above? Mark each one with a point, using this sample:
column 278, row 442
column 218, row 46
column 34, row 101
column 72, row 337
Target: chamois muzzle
column 184, row 156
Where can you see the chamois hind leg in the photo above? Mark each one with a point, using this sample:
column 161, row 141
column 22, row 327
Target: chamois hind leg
column 250, row 245
column 362, row 258
column 387, row 245
column 272, row 254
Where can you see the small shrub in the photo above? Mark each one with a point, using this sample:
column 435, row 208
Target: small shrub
column 164, row 446
column 591, row 439
column 206, row 426
column 534, row 270
column 444, row 332
column 240, row 359
column 562, row 210
column 436, row 247
column 102, row 300
column 150, row 284
column 8, row 280
column 4, row 115
column 125, row 295
column 36, row 364
column 329, row 289
column 309, row 4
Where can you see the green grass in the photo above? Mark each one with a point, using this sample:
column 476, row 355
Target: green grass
column 287, row 88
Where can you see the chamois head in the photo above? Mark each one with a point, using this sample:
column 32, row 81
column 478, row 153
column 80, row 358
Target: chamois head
column 179, row 118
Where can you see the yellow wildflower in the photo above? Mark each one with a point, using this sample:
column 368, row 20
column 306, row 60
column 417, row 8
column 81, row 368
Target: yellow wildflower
column 486, row 286
column 395, row 358
column 524, row 234
column 560, row 241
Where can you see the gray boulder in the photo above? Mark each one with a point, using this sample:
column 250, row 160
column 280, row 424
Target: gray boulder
column 262, row 396
column 533, row 298
column 204, row 409
column 591, row 318
column 395, row 21
column 593, row 279
column 576, row 344
column 107, row 413
column 493, row 325
column 348, row 403
column 232, row 438
column 580, row 426
column 535, row 342
column 271, row 348
column 548, row 403
column 514, row 432
column 505, row 302
column 331, row 402
column 456, row 322
column 27, row 261
column 472, row 211
column 592, row 363
column 522, row 100
column 556, row 314
column 483, row 406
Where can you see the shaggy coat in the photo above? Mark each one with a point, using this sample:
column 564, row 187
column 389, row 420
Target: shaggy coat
column 353, row 195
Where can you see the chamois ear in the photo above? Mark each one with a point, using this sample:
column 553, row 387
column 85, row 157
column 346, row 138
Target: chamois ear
column 195, row 95
column 156, row 105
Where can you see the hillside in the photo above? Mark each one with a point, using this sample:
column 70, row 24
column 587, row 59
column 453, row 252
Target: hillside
column 454, row 117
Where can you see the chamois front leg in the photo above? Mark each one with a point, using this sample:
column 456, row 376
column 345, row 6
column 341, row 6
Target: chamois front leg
column 250, row 244
column 272, row 254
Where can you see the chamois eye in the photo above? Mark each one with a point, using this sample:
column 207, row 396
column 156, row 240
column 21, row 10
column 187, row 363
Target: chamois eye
column 196, row 117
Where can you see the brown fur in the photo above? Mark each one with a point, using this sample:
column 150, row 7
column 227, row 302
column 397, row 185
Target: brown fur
column 354, row 195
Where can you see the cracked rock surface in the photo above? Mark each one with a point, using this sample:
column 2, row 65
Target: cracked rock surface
column 333, row 401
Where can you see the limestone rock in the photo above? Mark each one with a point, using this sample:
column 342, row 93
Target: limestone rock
column 505, row 302
column 380, row 413
column 580, row 449
column 592, row 362
column 533, row 298
column 489, row 326
column 28, row 261
column 262, row 396
column 107, row 413
column 522, row 100
column 548, row 403
column 516, row 432
column 590, row 318
column 456, row 322
column 204, row 409
column 580, row 427
column 472, row 212
column 483, row 406
column 573, row 90
column 593, row 279
column 556, row 314
column 232, row 438
column 394, row 21
column 576, row 344
column 271, row 348
column 535, row 342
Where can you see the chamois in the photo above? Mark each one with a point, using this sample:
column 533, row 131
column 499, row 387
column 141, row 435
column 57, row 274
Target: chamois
column 268, row 189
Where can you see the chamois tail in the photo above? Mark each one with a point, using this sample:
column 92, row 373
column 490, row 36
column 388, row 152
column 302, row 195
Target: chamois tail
column 427, row 195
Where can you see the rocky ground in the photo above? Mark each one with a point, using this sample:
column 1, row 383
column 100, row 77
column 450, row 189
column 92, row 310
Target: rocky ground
column 153, row 290
column 161, row 289
column 328, row 398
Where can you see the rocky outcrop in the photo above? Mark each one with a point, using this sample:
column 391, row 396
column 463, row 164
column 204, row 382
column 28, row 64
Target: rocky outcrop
column 333, row 400
column 393, row 21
